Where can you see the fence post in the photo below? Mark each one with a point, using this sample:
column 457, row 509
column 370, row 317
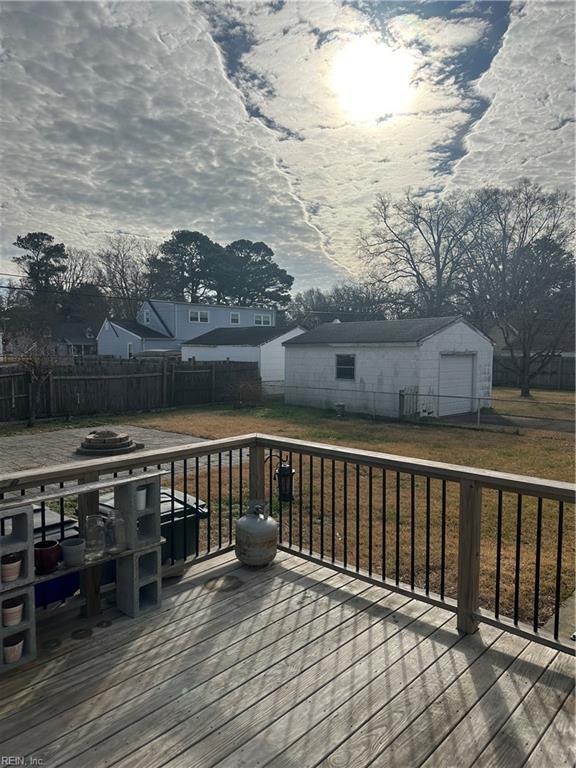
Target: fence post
column 256, row 494
column 89, row 504
column 213, row 383
column 401, row 400
column 469, row 555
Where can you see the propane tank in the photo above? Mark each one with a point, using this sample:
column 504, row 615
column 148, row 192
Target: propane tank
column 256, row 537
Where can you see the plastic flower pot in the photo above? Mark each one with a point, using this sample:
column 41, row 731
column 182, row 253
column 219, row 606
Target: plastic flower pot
column 12, row 611
column 73, row 551
column 11, row 566
column 46, row 556
column 13, row 647
column 141, row 499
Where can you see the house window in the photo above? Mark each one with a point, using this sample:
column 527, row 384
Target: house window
column 147, row 316
column 199, row 316
column 234, row 318
column 346, row 367
column 262, row 320
column 129, row 349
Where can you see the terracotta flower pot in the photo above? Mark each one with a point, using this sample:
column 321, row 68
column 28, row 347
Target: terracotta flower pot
column 12, row 611
column 13, row 647
column 11, row 566
column 46, row 556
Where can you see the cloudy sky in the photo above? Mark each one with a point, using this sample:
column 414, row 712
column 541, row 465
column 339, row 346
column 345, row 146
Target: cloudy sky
column 275, row 121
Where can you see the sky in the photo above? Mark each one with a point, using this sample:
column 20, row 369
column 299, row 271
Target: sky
column 277, row 121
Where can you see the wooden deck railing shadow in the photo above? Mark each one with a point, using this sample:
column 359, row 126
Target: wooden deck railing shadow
column 490, row 547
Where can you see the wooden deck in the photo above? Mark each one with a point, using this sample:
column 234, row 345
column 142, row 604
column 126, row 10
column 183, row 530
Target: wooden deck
column 289, row 667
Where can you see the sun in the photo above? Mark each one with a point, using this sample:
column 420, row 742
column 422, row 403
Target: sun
column 372, row 80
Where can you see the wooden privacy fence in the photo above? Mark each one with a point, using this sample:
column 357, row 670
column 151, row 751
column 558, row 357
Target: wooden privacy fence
column 122, row 386
column 558, row 373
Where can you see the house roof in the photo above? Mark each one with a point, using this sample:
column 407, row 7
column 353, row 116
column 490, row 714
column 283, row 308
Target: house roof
column 214, row 304
column 139, row 330
column 374, row 331
column 75, row 333
column 251, row 336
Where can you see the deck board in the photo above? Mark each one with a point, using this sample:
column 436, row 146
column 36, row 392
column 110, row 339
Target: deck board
column 296, row 666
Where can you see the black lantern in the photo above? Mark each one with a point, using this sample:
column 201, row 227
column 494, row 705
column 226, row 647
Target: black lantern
column 285, row 476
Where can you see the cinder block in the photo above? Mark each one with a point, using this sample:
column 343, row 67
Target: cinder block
column 17, row 537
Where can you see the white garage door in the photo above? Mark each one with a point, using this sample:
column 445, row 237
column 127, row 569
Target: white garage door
column 456, row 384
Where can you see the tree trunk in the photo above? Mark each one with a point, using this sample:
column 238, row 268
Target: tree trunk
column 525, row 377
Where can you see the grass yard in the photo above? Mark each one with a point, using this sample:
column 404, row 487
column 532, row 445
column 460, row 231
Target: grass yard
column 543, row 403
column 550, row 456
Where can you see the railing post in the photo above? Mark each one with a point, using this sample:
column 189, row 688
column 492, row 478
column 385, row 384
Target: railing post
column 469, row 555
column 256, row 493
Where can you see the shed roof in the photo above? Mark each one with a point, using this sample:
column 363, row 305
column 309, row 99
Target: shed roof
column 140, row 330
column 374, row 331
column 251, row 336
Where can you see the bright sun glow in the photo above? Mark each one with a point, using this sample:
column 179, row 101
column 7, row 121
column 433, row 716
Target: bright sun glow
column 372, row 80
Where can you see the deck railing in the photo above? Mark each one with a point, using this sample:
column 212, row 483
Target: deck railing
column 490, row 546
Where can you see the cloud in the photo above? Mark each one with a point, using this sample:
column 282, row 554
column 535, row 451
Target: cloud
column 147, row 117
column 528, row 129
column 120, row 117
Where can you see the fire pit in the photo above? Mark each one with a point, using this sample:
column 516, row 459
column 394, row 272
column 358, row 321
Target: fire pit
column 106, row 442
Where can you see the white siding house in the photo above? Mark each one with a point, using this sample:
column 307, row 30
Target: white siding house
column 163, row 325
column 258, row 345
column 442, row 365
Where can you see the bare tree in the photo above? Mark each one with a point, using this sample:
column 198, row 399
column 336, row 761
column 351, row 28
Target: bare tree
column 34, row 352
column 123, row 271
column 519, row 274
column 81, row 268
column 419, row 248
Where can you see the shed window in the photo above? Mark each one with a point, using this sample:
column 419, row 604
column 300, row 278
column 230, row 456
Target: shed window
column 345, row 366
column 198, row 316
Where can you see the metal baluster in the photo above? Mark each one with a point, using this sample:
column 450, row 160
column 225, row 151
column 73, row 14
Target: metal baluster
column 185, row 492
column 230, row 484
column 498, row 556
column 290, row 503
column 172, row 516
column 384, row 531
column 345, row 520
column 537, row 565
column 370, row 521
column 322, row 508
column 357, row 517
column 443, row 542
column 333, row 532
column 311, row 503
column 427, row 535
column 412, row 530
column 209, row 502
column 518, row 556
column 558, row 570
column 197, row 493
column 300, row 509
column 219, row 500
column 397, row 527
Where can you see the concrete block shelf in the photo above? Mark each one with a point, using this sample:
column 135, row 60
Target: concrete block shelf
column 142, row 519
column 139, row 582
column 16, row 539
column 25, row 629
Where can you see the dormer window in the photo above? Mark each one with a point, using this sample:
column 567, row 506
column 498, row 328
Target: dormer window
column 199, row 316
column 260, row 319
column 147, row 316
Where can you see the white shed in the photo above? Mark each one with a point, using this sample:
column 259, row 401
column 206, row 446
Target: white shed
column 441, row 365
column 253, row 344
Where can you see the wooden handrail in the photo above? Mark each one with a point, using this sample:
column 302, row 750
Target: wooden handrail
column 487, row 478
column 525, row 484
column 30, row 478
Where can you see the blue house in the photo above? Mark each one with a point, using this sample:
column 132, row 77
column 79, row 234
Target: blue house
column 162, row 325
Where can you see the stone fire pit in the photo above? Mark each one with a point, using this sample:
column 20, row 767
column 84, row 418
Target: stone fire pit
column 106, row 442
